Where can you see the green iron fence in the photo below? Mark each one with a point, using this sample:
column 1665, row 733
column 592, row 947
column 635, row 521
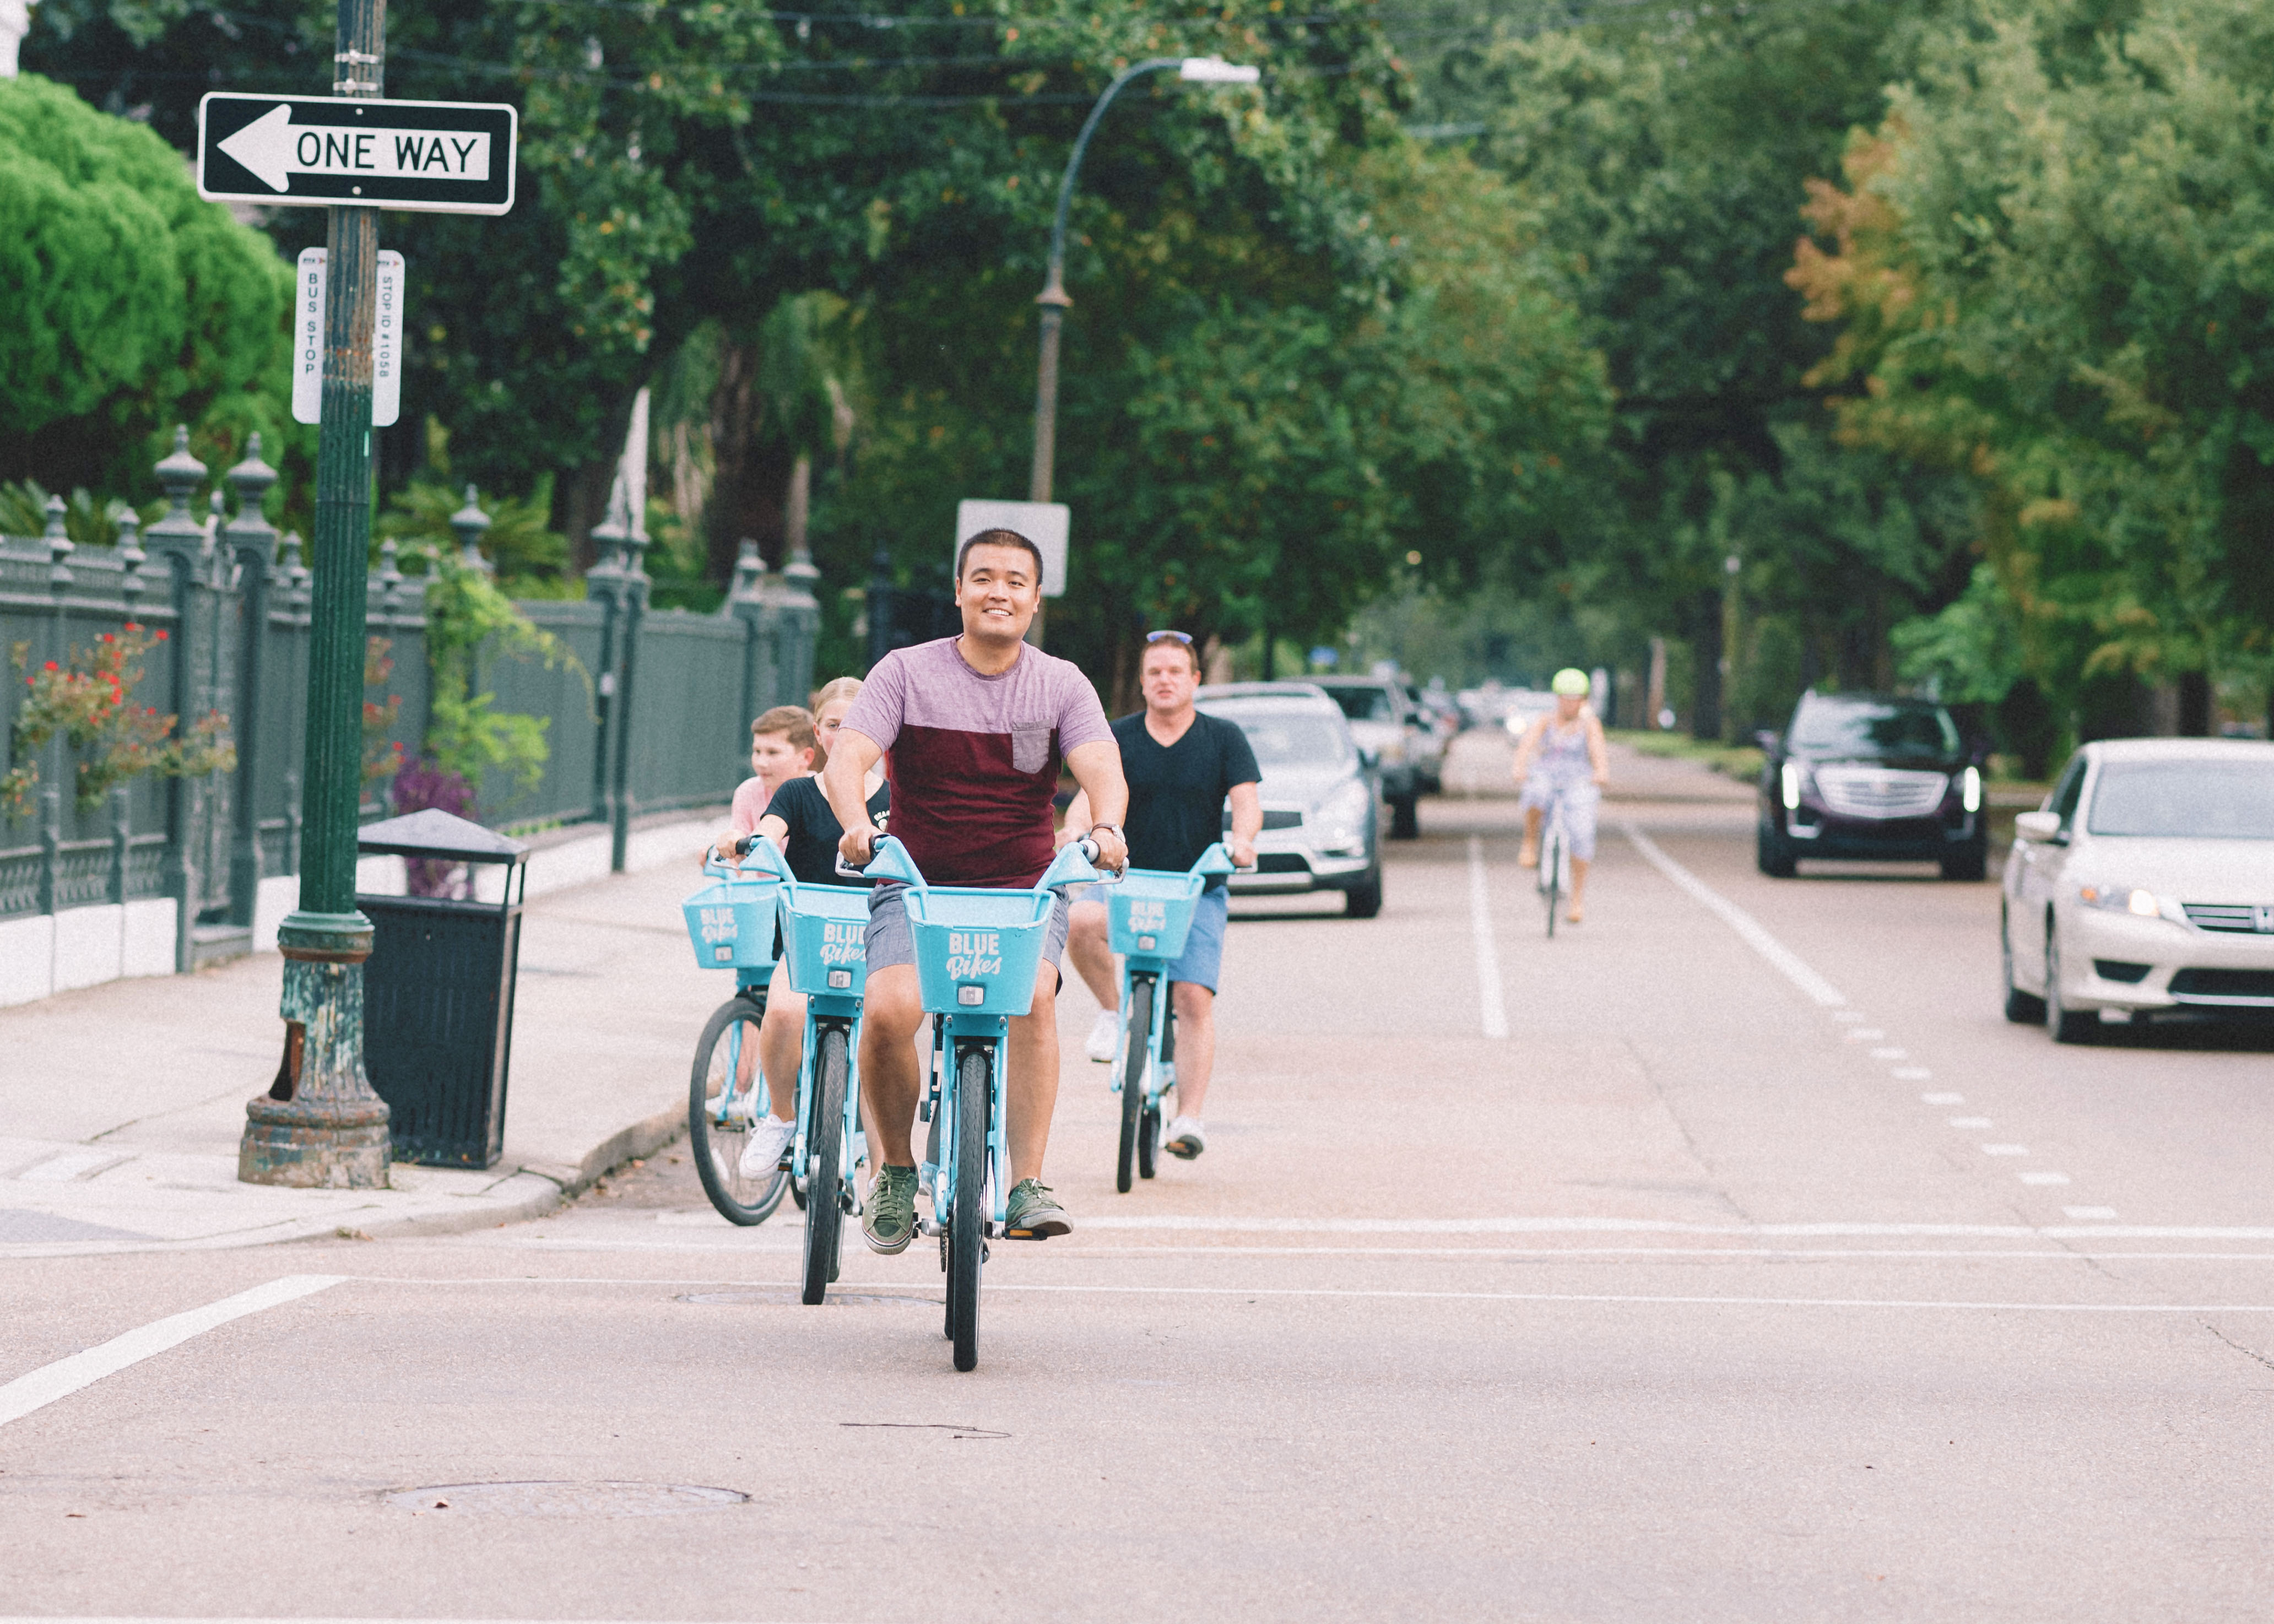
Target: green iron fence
column 165, row 873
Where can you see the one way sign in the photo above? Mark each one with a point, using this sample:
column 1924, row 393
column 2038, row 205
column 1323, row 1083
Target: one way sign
column 444, row 157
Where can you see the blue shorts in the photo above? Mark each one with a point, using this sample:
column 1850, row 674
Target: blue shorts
column 892, row 940
column 1201, row 963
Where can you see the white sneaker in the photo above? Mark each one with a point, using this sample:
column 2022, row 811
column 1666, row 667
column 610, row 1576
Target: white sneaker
column 1184, row 1138
column 1104, row 1040
column 762, row 1153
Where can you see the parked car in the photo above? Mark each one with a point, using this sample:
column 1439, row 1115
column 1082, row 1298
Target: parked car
column 1387, row 726
column 1321, row 831
column 2145, row 884
column 1521, row 707
column 1874, row 776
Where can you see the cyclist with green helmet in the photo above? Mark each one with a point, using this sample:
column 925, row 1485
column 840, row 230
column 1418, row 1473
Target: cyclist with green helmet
column 1563, row 754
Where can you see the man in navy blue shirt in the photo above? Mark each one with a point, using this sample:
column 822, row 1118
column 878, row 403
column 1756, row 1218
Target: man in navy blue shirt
column 1182, row 767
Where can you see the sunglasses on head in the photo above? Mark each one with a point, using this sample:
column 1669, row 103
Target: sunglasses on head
column 1183, row 637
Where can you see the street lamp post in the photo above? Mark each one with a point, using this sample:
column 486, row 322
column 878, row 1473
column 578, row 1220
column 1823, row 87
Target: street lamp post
column 319, row 1123
column 1195, row 70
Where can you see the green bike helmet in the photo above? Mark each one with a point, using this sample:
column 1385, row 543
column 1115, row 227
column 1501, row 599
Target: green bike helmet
column 1570, row 679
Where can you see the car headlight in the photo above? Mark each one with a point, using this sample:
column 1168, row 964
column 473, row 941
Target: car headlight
column 2122, row 899
column 1341, row 817
column 1970, row 789
column 1789, row 780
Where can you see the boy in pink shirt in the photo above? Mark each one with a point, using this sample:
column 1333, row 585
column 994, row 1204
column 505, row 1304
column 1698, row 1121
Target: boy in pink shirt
column 781, row 748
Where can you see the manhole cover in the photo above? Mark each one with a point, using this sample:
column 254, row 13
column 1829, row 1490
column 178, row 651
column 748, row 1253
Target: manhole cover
column 563, row 1499
column 837, row 1299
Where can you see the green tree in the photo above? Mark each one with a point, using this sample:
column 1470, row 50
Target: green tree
column 132, row 303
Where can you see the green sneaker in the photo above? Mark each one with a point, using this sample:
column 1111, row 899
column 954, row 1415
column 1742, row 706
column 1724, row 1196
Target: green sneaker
column 889, row 1222
column 1032, row 1216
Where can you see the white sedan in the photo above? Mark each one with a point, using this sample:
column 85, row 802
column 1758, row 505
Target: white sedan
column 2145, row 882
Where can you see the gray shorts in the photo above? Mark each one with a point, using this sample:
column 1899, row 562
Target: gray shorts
column 891, row 941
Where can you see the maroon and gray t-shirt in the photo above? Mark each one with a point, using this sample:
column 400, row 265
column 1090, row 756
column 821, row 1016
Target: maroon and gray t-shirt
column 973, row 760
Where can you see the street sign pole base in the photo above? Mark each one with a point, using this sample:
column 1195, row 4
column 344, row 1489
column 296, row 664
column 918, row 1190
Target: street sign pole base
column 315, row 1144
column 319, row 1126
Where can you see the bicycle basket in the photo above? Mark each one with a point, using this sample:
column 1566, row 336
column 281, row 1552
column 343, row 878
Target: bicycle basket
column 824, row 932
column 1150, row 911
column 977, row 952
column 732, row 924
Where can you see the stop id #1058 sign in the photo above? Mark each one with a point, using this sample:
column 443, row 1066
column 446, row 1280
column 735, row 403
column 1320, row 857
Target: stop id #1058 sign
column 386, row 339
column 442, row 157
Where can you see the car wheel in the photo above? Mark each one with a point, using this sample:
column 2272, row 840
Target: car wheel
column 2067, row 1025
column 1971, row 863
column 1363, row 900
column 1404, row 819
column 2023, row 1009
column 1773, row 854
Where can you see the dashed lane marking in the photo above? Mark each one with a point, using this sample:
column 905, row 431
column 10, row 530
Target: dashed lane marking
column 44, row 1385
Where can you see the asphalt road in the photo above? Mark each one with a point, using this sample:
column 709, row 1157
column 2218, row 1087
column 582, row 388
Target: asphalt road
column 1728, row 1258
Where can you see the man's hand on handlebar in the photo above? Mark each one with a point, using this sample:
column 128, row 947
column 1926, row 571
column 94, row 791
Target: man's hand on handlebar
column 1243, row 854
column 1112, row 850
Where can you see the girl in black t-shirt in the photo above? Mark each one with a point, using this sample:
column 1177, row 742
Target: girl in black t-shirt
column 798, row 821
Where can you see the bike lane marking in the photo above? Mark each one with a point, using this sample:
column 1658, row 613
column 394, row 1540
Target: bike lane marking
column 1755, row 935
column 1494, row 1007
column 66, row 1376
column 1749, row 929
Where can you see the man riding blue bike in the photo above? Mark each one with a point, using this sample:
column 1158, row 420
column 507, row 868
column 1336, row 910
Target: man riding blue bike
column 1181, row 767
column 971, row 730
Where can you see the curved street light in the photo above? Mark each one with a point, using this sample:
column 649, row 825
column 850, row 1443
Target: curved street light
column 1195, row 69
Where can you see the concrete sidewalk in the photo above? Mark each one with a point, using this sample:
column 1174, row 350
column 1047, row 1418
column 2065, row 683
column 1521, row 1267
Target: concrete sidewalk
column 121, row 1105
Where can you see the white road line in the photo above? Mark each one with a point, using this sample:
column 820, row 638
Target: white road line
column 1494, row 1008
column 1652, row 1226
column 1748, row 928
column 1971, row 1121
column 44, row 1385
column 2004, row 1150
column 1943, row 1099
column 1911, row 1074
column 2045, row 1178
column 1607, row 1297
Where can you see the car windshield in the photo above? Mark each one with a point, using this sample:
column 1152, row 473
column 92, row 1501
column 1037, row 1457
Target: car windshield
column 2190, row 800
column 1365, row 704
column 1290, row 738
column 1852, row 727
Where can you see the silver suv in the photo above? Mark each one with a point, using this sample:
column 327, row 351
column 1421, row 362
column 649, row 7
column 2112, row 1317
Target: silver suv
column 1321, row 826
column 1386, row 723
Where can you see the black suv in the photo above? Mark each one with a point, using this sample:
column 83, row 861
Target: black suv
column 1863, row 774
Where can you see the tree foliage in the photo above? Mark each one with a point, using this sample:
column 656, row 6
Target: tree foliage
column 131, row 304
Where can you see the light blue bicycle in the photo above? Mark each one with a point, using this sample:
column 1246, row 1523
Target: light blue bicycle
column 825, row 946
column 1148, row 917
column 977, row 955
column 731, row 923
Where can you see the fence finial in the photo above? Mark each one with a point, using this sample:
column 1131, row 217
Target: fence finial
column 130, row 560
column 469, row 522
column 59, row 546
column 180, row 473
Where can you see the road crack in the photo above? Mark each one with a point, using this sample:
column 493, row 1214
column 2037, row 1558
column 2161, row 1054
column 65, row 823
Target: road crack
column 2246, row 1352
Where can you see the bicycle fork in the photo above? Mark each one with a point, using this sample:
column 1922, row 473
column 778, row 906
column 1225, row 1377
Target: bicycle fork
column 953, row 1037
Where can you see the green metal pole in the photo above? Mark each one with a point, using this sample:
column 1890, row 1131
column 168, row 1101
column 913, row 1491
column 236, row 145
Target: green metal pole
column 319, row 1122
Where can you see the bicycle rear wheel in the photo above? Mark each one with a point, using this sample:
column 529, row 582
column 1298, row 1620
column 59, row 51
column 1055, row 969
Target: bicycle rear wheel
column 1551, row 875
column 1139, row 1028
column 825, row 1210
column 716, row 1137
column 966, row 1223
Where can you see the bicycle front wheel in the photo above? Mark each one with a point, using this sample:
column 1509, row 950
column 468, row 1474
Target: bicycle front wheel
column 966, row 1223
column 1139, row 1028
column 720, row 1095
column 825, row 1207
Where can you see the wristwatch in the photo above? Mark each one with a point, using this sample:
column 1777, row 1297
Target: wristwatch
column 1116, row 828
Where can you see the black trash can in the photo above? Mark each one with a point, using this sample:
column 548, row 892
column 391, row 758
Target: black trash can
column 438, row 992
